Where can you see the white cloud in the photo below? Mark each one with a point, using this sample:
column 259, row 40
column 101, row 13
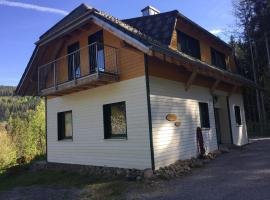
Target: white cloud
column 32, row 7
column 216, row 31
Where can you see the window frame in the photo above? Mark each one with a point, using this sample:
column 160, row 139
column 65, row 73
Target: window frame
column 62, row 135
column 107, row 126
column 202, row 121
column 236, row 115
column 190, row 39
column 214, row 54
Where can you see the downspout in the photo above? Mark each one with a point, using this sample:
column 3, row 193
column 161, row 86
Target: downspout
column 149, row 111
column 230, row 120
column 46, row 132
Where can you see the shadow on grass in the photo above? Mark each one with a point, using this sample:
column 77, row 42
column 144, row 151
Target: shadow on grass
column 22, row 176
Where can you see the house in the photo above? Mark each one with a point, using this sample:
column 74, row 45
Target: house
column 131, row 93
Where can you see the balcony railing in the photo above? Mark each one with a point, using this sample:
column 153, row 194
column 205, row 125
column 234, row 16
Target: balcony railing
column 95, row 64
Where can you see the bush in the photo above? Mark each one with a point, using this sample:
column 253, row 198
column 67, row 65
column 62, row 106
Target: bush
column 8, row 151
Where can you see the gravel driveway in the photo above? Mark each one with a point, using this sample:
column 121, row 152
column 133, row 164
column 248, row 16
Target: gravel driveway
column 241, row 174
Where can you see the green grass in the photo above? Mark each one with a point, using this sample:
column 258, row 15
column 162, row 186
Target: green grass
column 95, row 187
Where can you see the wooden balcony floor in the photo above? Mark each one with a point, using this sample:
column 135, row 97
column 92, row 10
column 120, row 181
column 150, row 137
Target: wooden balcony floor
column 82, row 83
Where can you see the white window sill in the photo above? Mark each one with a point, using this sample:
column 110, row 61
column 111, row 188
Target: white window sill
column 65, row 140
column 116, row 139
column 206, row 129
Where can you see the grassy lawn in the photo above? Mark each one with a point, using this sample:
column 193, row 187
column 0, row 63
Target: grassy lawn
column 93, row 187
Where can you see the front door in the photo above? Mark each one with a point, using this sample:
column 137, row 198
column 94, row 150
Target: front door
column 96, row 52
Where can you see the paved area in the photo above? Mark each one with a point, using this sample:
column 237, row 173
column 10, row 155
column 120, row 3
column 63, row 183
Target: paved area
column 241, row 174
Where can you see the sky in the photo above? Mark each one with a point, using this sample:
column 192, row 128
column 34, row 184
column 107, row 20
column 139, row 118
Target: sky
column 23, row 21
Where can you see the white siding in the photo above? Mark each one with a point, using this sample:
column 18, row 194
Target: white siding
column 88, row 146
column 174, row 143
column 239, row 133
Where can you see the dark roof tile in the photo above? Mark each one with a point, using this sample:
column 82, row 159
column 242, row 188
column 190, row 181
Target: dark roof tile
column 159, row 27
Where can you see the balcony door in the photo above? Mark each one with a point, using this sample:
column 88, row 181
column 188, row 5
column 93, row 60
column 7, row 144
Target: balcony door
column 96, row 52
column 74, row 61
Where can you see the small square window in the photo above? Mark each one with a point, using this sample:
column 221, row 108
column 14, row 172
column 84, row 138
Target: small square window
column 65, row 129
column 237, row 112
column 204, row 115
column 115, row 124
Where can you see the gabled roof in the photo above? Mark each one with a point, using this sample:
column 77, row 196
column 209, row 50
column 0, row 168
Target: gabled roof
column 77, row 12
column 151, row 32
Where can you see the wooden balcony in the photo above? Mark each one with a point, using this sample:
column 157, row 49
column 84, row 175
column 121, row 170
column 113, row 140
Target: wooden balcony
column 84, row 68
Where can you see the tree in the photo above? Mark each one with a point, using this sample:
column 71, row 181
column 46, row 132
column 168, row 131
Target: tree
column 253, row 21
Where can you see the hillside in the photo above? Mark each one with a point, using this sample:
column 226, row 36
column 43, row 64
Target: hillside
column 7, row 90
column 10, row 104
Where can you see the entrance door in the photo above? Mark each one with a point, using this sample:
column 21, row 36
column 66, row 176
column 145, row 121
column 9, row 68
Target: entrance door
column 96, row 52
column 217, row 120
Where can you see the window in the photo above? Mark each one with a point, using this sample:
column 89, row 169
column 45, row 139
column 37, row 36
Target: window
column 218, row 59
column 204, row 115
column 74, row 61
column 65, row 125
column 115, row 125
column 188, row 45
column 237, row 113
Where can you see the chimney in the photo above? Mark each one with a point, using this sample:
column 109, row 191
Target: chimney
column 149, row 10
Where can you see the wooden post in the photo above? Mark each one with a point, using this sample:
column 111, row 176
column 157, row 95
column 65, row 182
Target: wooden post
column 191, row 79
column 213, row 88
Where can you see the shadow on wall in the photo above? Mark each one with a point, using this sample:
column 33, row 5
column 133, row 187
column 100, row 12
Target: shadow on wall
column 172, row 143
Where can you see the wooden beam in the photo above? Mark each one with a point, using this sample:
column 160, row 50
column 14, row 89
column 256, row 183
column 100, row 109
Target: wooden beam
column 233, row 90
column 214, row 86
column 191, row 80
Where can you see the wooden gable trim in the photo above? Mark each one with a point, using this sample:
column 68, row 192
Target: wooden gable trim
column 130, row 40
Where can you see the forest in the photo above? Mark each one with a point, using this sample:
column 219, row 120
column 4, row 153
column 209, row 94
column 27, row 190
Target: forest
column 251, row 43
column 22, row 128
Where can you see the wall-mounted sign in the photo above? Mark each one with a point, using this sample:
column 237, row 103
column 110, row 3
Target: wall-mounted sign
column 177, row 124
column 171, row 117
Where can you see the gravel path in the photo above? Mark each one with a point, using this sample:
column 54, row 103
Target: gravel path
column 241, row 174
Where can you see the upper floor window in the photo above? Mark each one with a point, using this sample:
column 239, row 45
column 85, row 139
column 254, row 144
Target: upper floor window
column 74, row 61
column 204, row 115
column 218, row 59
column 115, row 124
column 188, row 45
